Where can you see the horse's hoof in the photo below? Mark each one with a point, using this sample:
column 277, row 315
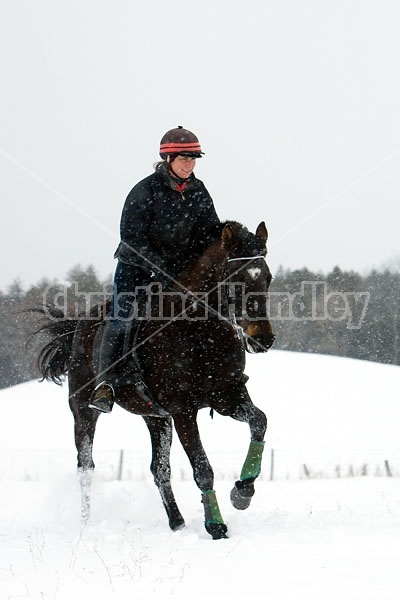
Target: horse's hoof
column 85, row 519
column 242, row 494
column 217, row 530
column 238, row 501
column 177, row 525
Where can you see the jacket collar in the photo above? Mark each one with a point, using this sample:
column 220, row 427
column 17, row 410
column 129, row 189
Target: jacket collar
column 176, row 183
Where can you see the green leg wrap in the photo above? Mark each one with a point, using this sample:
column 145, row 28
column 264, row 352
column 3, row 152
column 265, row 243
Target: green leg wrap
column 252, row 464
column 211, row 509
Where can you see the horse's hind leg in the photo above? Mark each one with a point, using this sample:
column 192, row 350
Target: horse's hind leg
column 240, row 407
column 187, row 430
column 85, row 426
column 161, row 438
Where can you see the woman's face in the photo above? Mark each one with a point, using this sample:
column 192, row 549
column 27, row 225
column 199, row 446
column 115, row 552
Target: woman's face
column 183, row 166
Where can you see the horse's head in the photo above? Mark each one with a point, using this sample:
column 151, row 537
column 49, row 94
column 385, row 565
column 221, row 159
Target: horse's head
column 249, row 278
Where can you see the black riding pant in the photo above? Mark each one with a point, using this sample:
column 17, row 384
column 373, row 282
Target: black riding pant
column 127, row 279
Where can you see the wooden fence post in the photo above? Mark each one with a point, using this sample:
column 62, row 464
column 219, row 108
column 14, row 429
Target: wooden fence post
column 272, row 465
column 388, row 469
column 120, row 465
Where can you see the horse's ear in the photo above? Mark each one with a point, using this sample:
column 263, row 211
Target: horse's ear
column 227, row 237
column 262, row 232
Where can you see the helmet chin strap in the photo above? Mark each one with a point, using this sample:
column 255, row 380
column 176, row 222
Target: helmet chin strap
column 180, row 179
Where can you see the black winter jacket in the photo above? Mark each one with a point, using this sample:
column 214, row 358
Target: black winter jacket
column 162, row 226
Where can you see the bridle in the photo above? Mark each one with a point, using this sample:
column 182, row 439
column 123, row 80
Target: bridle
column 240, row 331
column 249, row 258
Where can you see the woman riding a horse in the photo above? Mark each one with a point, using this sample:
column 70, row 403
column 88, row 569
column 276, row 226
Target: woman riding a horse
column 191, row 358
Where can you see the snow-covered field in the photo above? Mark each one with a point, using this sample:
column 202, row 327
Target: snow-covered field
column 318, row 538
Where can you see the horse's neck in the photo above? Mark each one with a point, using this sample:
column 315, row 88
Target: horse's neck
column 206, row 271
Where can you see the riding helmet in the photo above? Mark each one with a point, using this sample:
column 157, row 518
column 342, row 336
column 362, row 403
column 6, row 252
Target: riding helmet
column 180, row 141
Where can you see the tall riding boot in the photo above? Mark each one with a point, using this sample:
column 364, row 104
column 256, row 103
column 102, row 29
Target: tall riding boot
column 108, row 374
column 110, row 352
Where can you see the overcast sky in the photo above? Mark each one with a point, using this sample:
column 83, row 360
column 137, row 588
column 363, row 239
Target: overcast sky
column 296, row 104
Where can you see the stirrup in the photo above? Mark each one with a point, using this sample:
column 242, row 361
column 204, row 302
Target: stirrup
column 102, row 397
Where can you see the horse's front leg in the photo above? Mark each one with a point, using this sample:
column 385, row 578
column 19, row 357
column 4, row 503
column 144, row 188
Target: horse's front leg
column 240, row 407
column 161, row 438
column 188, row 432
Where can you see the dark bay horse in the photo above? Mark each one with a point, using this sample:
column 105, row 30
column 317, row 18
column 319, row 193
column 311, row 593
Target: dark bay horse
column 192, row 356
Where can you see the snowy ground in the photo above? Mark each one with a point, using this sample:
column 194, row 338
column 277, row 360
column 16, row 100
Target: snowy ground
column 301, row 538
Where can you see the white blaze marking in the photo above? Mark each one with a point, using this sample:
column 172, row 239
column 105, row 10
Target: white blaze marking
column 254, row 272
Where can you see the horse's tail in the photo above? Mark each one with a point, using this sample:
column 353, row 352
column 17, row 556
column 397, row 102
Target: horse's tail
column 54, row 358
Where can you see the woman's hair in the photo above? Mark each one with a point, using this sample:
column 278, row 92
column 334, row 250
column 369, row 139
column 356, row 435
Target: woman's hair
column 158, row 165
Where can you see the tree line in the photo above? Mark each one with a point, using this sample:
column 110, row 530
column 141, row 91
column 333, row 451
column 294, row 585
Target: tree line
column 341, row 313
